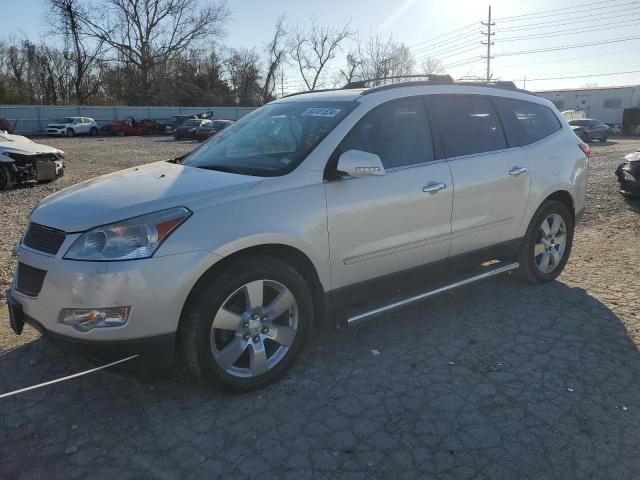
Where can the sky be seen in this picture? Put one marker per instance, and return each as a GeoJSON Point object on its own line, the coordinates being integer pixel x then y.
{"type": "Point", "coordinates": [552, 43]}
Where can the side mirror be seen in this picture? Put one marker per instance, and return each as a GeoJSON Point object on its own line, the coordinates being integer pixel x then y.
{"type": "Point", "coordinates": [357, 163]}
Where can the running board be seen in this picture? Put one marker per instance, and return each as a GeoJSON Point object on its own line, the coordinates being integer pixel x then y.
{"type": "Point", "coordinates": [353, 320]}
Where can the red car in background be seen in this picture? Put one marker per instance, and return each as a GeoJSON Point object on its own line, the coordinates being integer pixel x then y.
{"type": "Point", "coordinates": [5, 125]}
{"type": "Point", "coordinates": [129, 126]}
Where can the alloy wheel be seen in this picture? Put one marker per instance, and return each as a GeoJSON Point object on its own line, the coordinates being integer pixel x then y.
{"type": "Point", "coordinates": [254, 328]}
{"type": "Point", "coordinates": [551, 242]}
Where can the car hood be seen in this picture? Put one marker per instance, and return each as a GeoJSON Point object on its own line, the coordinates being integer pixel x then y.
{"type": "Point", "coordinates": [27, 147]}
{"type": "Point", "coordinates": [576, 127]}
{"type": "Point", "coordinates": [132, 192]}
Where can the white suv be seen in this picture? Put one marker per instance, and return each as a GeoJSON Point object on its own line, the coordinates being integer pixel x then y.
{"type": "Point", "coordinates": [230, 254]}
{"type": "Point", "coordinates": [72, 126]}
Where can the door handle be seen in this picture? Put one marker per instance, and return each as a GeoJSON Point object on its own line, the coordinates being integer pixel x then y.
{"type": "Point", "coordinates": [515, 171]}
{"type": "Point", "coordinates": [434, 187]}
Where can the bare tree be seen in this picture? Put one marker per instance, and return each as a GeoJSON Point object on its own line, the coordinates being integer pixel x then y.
{"type": "Point", "coordinates": [314, 47]}
{"type": "Point", "coordinates": [379, 57]}
{"type": "Point", "coordinates": [65, 19]}
{"type": "Point", "coordinates": [431, 65]}
{"type": "Point", "coordinates": [276, 54]}
{"type": "Point", "coordinates": [147, 33]}
{"type": "Point", "coordinates": [353, 63]}
{"type": "Point", "coordinates": [243, 69]}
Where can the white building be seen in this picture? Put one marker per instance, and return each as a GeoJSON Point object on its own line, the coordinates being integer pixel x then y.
{"type": "Point", "coordinates": [607, 104]}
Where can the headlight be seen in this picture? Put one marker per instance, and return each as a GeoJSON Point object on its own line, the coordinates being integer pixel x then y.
{"type": "Point", "coordinates": [132, 239]}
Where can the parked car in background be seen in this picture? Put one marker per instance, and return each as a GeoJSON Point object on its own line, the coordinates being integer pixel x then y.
{"type": "Point", "coordinates": [129, 126]}
{"type": "Point", "coordinates": [22, 160]}
{"type": "Point", "coordinates": [188, 129]}
{"type": "Point", "coordinates": [72, 126]}
{"type": "Point", "coordinates": [590, 129]}
{"type": "Point", "coordinates": [210, 129]}
{"type": "Point", "coordinates": [167, 126]}
{"type": "Point", "coordinates": [5, 125]}
{"type": "Point", "coordinates": [231, 254]}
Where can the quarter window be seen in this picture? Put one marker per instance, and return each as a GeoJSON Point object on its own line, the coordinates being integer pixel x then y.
{"type": "Point", "coordinates": [531, 122]}
{"type": "Point", "coordinates": [397, 131]}
{"type": "Point", "coordinates": [469, 124]}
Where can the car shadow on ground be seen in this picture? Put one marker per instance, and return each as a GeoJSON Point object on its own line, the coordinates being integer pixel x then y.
{"type": "Point", "coordinates": [633, 201]}
{"type": "Point", "coordinates": [497, 380]}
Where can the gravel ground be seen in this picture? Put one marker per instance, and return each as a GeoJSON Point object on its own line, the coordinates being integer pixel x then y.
{"type": "Point", "coordinates": [498, 380]}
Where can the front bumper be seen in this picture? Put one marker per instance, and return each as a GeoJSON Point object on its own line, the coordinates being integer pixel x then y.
{"type": "Point", "coordinates": [628, 178]}
{"type": "Point", "coordinates": [56, 131]}
{"type": "Point", "coordinates": [151, 353]}
{"type": "Point", "coordinates": [154, 288]}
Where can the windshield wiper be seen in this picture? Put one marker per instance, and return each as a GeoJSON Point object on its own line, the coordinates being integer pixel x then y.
{"type": "Point", "coordinates": [222, 168]}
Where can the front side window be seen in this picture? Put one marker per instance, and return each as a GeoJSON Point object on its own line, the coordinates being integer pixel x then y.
{"type": "Point", "coordinates": [530, 121]}
{"type": "Point", "coordinates": [397, 131]}
{"type": "Point", "coordinates": [468, 124]}
{"type": "Point", "coordinates": [272, 140]}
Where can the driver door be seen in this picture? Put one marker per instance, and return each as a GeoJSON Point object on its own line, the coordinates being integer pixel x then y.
{"type": "Point", "coordinates": [384, 224]}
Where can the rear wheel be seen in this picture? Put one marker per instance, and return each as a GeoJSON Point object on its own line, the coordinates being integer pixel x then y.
{"type": "Point", "coordinates": [243, 327]}
{"type": "Point", "coordinates": [6, 178]}
{"type": "Point", "coordinates": [93, 132]}
{"type": "Point", "coordinates": [547, 244]}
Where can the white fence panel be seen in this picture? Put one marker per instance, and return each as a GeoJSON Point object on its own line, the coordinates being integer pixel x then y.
{"type": "Point", "coordinates": [33, 119]}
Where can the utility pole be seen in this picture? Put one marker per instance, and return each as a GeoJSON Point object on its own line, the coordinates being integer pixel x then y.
{"type": "Point", "coordinates": [524, 87]}
{"type": "Point", "coordinates": [385, 66]}
{"type": "Point", "coordinates": [488, 43]}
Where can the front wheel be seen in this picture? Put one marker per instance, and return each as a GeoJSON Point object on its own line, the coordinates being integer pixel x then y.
{"type": "Point", "coordinates": [70, 132]}
{"type": "Point", "coordinates": [6, 178]}
{"type": "Point", "coordinates": [547, 244]}
{"type": "Point", "coordinates": [244, 326]}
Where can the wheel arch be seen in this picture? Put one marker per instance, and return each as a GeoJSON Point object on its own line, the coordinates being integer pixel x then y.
{"type": "Point", "coordinates": [286, 253]}
{"type": "Point", "coordinates": [564, 197]}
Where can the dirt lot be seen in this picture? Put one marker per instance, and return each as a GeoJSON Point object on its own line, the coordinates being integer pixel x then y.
{"type": "Point", "coordinates": [499, 380]}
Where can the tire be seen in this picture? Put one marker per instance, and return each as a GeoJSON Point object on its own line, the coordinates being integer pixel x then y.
{"type": "Point", "coordinates": [532, 267]}
{"type": "Point", "coordinates": [6, 178]}
{"type": "Point", "coordinates": [93, 132]}
{"type": "Point", "coordinates": [70, 132]}
{"type": "Point", "coordinates": [120, 133]}
{"type": "Point", "coordinates": [245, 357]}
{"type": "Point", "coordinates": [604, 139]}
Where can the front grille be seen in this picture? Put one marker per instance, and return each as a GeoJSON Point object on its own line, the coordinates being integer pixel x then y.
{"type": "Point", "coordinates": [29, 279]}
{"type": "Point", "coordinates": [44, 239]}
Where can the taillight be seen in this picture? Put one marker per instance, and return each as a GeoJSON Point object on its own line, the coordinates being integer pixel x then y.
{"type": "Point", "coordinates": [585, 149]}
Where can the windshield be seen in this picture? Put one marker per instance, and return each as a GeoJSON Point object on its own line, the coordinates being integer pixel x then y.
{"type": "Point", "coordinates": [578, 123]}
{"type": "Point", "coordinates": [64, 120]}
{"type": "Point", "coordinates": [192, 123]}
{"type": "Point", "coordinates": [272, 140]}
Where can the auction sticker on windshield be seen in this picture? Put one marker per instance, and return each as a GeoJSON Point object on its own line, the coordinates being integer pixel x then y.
{"type": "Point", "coordinates": [321, 112]}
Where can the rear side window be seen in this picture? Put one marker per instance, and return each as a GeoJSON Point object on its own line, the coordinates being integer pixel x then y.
{"type": "Point", "coordinates": [468, 124]}
{"type": "Point", "coordinates": [397, 131]}
{"type": "Point", "coordinates": [530, 122]}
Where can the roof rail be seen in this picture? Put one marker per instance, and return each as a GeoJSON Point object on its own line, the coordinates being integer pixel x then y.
{"type": "Point", "coordinates": [376, 83]}
{"type": "Point", "coordinates": [311, 91]}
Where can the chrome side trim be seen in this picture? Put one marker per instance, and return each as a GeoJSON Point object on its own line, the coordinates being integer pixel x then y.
{"type": "Point", "coordinates": [356, 319]}
{"type": "Point", "coordinates": [397, 249]}
{"type": "Point", "coordinates": [484, 226]}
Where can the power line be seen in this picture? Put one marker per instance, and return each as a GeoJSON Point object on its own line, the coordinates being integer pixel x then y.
{"type": "Point", "coordinates": [566, 22]}
{"type": "Point", "coordinates": [560, 33]}
{"type": "Point", "coordinates": [571, 59]}
{"type": "Point", "coordinates": [550, 13]}
{"type": "Point", "coordinates": [582, 76]}
{"type": "Point", "coordinates": [568, 47]}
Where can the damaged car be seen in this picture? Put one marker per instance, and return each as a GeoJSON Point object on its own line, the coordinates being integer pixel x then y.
{"type": "Point", "coordinates": [628, 174]}
{"type": "Point", "coordinates": [22, 160]}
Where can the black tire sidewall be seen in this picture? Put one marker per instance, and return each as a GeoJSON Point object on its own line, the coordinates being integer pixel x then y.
{"type": "Point", "coordinates": [528, 266]}
{"type": "Point", "coordinates": [213, 292]}
{"type": "Point", "coordinates": [70, 132]}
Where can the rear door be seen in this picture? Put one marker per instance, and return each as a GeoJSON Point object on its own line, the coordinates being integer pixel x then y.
{"type": "Point", "coordinates": [384, 224]}
{"type": "Point", "coordinates": [490, 175]}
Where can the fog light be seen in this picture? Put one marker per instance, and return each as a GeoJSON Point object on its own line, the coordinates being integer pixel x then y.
{"type": "Point", "coordinates": [85, 319]}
